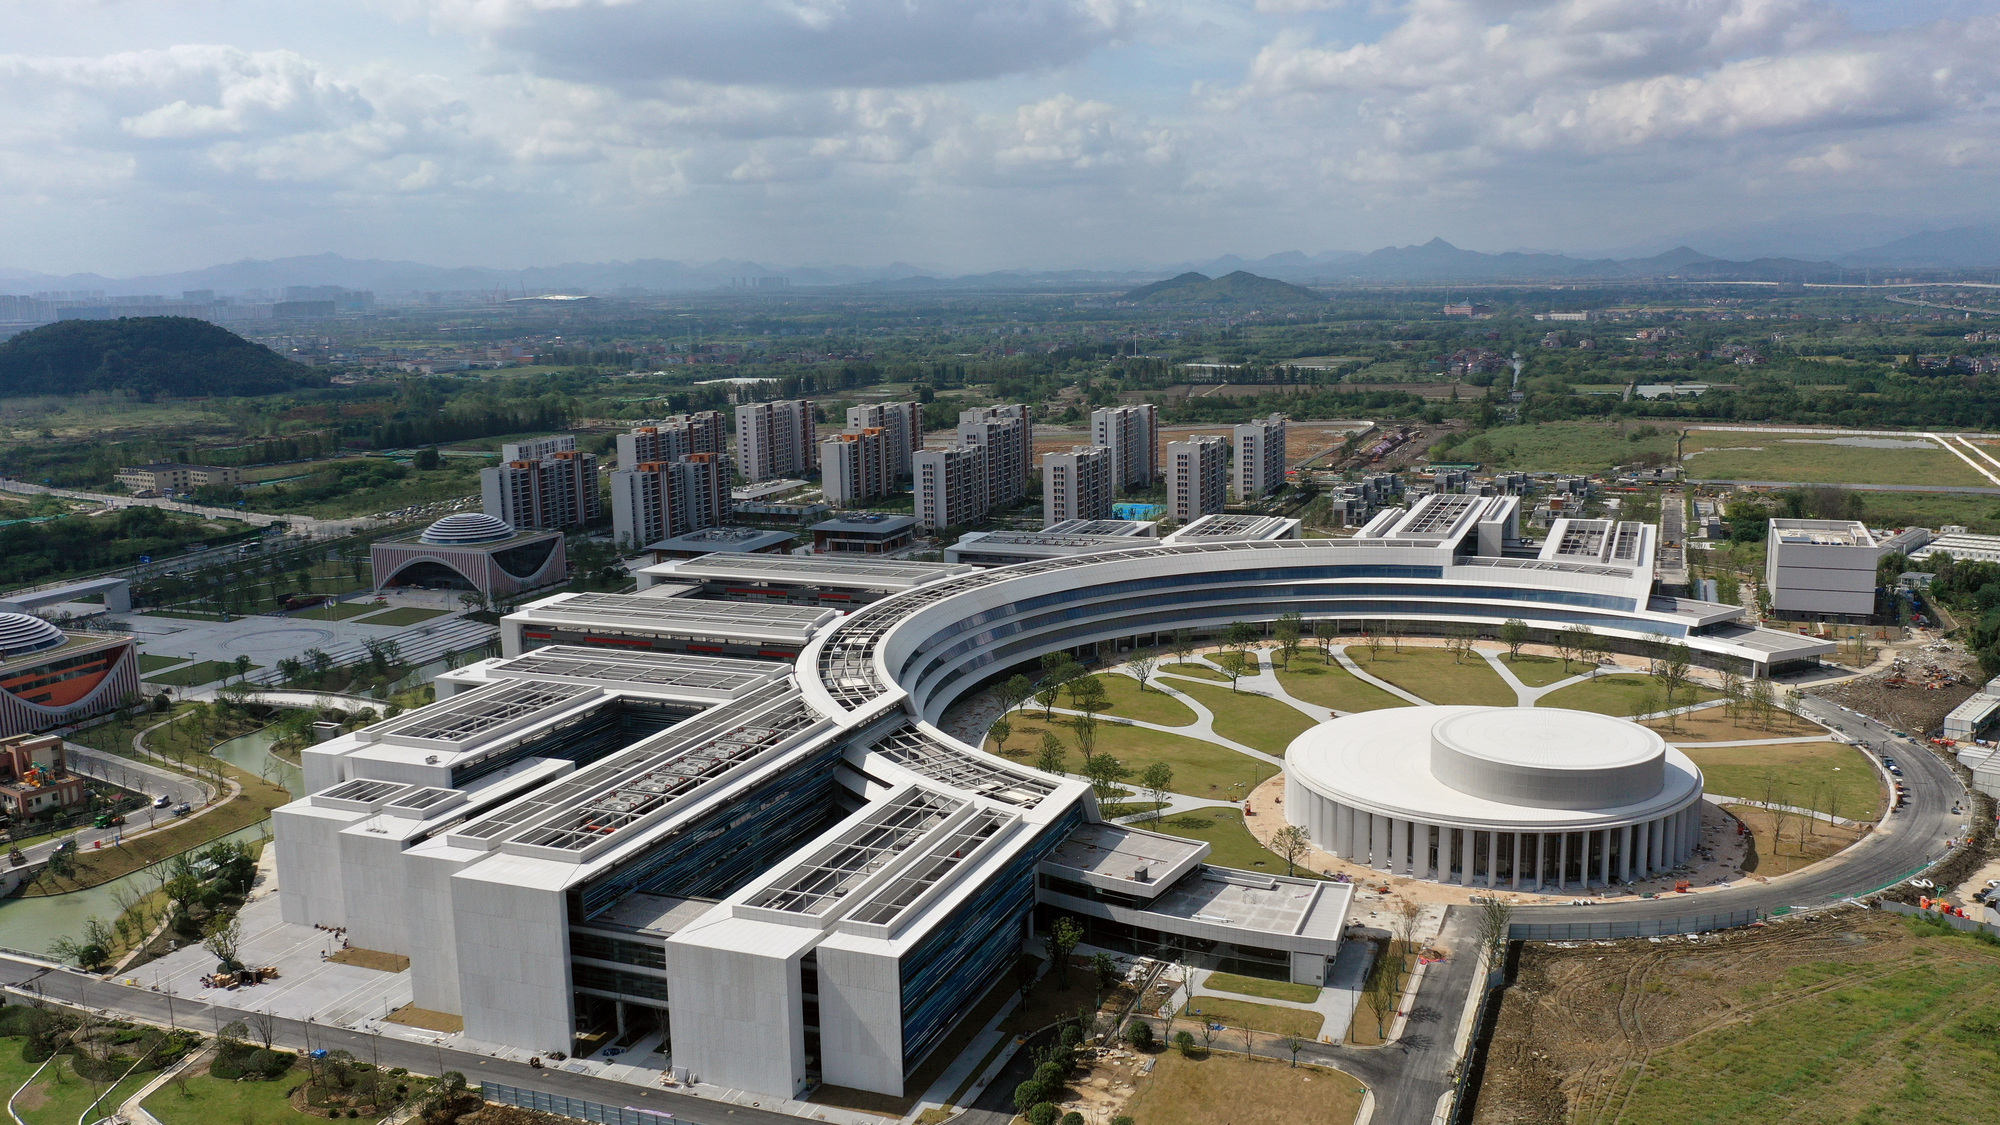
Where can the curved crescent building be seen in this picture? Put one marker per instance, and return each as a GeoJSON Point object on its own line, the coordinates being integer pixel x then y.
{"type": "Point", "coordinates": [733, 835]}
{"type": "Point", "coordinates": [1521, 798]}
{"type": "Point", "coordinates": [49, 677]}
{"type": "Point", "coordinates": [471, 551]}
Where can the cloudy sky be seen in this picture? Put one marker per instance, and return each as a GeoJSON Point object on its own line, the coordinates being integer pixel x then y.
{"type": "Point", "coordinates": [147, 135]}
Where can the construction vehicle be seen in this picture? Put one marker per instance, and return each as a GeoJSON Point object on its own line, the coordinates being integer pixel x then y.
{"type": "Point", "coordinates": [1683, 887]}
{"type": "Point", "coordinates": [108, 820]}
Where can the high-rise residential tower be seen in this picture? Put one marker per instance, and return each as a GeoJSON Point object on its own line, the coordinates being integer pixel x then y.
{"type": "Point", "coordinates": [855, 466]}
{"type": "Point", "coordinates": [902, 426]}
{"type": "Point", "coordinates": [1197, 477]}
{"type": "Point", "coordinates": [950, 485]}
{"type": "Point", "coordinates": [1131, 433]}
{"type": "Point", "coordinates": [1077, 485]}
{"type": "Point", "coordinates": [655, 500]}
{"type": "Point", "coordinates": [1260, 457]}
{"type": "Point", "coordinates": [558, 491]}
{"type": "Point", "coordinates": [1005, 434]}
{"type": "Point", "coordinates": [776, 439]}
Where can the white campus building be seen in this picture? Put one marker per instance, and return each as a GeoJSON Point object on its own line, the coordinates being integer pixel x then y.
{"type": "Point", "coordinates": [1821, 568]}
{"type": "Point", "coordinates": [736, 834]}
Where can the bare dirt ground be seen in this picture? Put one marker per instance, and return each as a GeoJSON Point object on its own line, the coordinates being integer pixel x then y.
{"type": "Point", "coordinates": [1844, 1016]}
{"type": "Point", "coordinates": [1914, 693]}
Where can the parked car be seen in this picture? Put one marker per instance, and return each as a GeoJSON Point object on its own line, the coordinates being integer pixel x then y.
{"type": "Point", "coordinates": [183, 810]}
{"type": "Point", "coordinates": [163, 801]}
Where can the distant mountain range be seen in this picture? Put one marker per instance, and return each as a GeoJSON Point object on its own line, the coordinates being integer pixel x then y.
{"type": "Point", "coordinates": [1234, 290]}
{"type": "Point", "coordinates": [1969, 247]}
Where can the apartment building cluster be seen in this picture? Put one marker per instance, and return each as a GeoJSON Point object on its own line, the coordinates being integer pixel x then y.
{"type": "Point", "coordinates": [870, 458]}
{"type": "Point", "coordinates": [545, 483]}
{"type": "Point", "coordinates": [984, 468]}
{"type": "Point", "coordinates": [673, 477]}
{"type": "Point", "coordinates": [1082, 483]}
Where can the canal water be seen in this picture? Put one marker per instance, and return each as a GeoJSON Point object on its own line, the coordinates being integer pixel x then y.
{"type": "Point", "coordinates": [31, 925]}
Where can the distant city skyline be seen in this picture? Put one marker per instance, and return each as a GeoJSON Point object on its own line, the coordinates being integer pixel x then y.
{"type": "Point", "coordinates": [156, 136]}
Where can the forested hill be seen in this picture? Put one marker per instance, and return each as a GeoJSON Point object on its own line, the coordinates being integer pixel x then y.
{"type": "Point", "coordinates": [149, 356]}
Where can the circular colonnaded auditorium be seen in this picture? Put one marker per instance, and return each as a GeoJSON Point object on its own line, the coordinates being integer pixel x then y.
{"type": "Point", "coordinates": [1526, 798]}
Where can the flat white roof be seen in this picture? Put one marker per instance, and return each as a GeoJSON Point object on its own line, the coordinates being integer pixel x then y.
{"type": "Point", "coordinates": [678, 616]}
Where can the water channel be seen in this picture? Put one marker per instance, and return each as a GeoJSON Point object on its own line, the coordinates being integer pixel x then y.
{"type": "Point", "coordinates": [33, 924]}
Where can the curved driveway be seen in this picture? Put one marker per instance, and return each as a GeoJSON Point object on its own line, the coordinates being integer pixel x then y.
{"type": "Point", "coordinates": [1906, 843]}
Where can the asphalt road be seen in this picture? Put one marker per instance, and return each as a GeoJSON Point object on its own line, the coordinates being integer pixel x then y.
{"type": "Point", "coordinates": [77, 989]}
{"type": "Point", "coordinates": [150, 780]}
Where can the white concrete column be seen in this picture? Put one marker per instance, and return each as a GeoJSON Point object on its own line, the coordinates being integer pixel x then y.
{"type": "Point", "coordinates": [1562, 864]}
{"type": "Point", "coordinates": [1378, 844]}
{"type": "Point", "coordinates": [1493, 859]}
{"type": "Point", "coordinates": [1465, 857]}
{"type": "Point", "coordinates": [1604, 858]}
{"type": "Point", "coordinates": [1541, 843]}
{"type": "Point", "coordinates": [1415, 835]}
{"type": "Point", "coordinates": [1520, 846]}
{"type": "Point", "coordinates": [1344, 831]}
{"type": "Point", "coordinates": [1642, 856]}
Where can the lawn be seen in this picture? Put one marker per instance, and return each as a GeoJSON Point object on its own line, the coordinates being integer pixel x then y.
{"type": "Point", "coordinates": [1198, 671]}
{"type": "Point", "coordinates": [206, 672]}
{"type": "Point", "coordinates": [403, 615]}
{"type": "Point", "coordinates": [1541, 671]}
{"type": "Point", "coordinates": [211, 1101]}
{"type": "Point", "coordinates": [1622, 695]}
{"type": "Point", "coordinates": [1234, 1014]}
{"type": "Point", "coordinates": [1256, 721]}
{"type": "Point", "coordinates": [1201, 769]}
{"type": "Point", "coordinates": [1828, 776]}
{"type": "Point", "coordinates": [1148, 706]}
{"type": "Point", "coordinates": [337, 611]}
{"type": "Point", "coordinates": [149, 664]}
{"type": "Point", "coordinates": [1904, 1036]}
{"type": "Point", "coordinates": [252, 806]}
{"type": "Point", "coordinates": [1814, 459]}
{"type": "Point", "coordinates": [1258, 986]}
{"type": "Point", "coordinates": [1314, 681]}
{"type": "Point", "coordinates": [60, 1096]}
{"type": "Point", "coordinates": [1431, 673]}
{"type": "Point", "coordinates": [1226, 1088]}
{"type": "Point", "coordinates": [1233, 845]}
{"type": "Point", "coordinates": [1784, 843]}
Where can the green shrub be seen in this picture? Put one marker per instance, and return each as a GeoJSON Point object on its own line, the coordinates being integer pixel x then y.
{"type": "Point", "coordinates": [1184, 1043]}
{"type": "Point", "coordinates": [1072, 1118]}
{"type": "Point", "coordinates": [1043, 1114]}
{"type": "Point", "coordinates": [1139, 1033]}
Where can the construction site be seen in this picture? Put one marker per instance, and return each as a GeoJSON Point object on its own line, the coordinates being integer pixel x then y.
{"type": "Point", "coordinates": [1916, 691]}
{"type": "Point", "coordinates": [1842, 1016]}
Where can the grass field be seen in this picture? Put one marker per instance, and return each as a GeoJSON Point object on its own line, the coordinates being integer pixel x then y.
{"type": "Point", "coordinates": [149, 664]}
{"type": "Point", "coordinates": [1909, 1040]}
{"type": "Point", "coordinates": [206, 672]}
{"type": "Point", "coordinates": [1201, 769]}
{"type": "Point", "coordinates": [1258, 986]}
{"type": "Point", "coordinates": [1431, 673]}
{"type": "Point", "coordinates": [1314, 681]}
{"type": "Point", "coordinates": [1541, 671]}
{"type": "Point", "coordinates": [1783, 844]}
{"type": "Point", "coordinates": [1148, 706]}
{"type": "Point", "coordinates": [403, 615]}
{"type": "Point", "coordinates": [1978, 514]}
{"type": "Point", "coordinates": [1828, 776]}
{"type": "Point", "coordinates": [1621, 695]}
{"type": "Point", "coordinates": [1256, 721]}
{"type": "Point", "coordinates": [1198, 671]}
{"type": "Point", "coordinates": [1725, 455]}
{"type": "Point", "coordinates": [1233, 845]}
{"type": "Point", "coordinates": [1231, 1088]}
{"type": "Point", "coordinates": [1713, 724]}
{"type": "Point", "coordinates": [211, 1101]}
{"type": "Point", "coordinates": [1568, 447]}
{"type": "Point", "coordinates": [1269, 1018]}
{"type": "Point", "coordinates": [59, 1097]}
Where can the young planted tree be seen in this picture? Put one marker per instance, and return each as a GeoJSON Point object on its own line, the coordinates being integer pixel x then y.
{"type": "Point", "coordinates": [1384, 989]}
{"type": "Point", "coordinates": [1157, 780]}
{"type": "Point", "coordinates": [1061, 941]}
{"type": "Point", "coordinates": [1142, 667]}
{"type": "Point", "coordinates": [1290, 630]}
{"type": "Point", "coordinates": [1183, 645]}
{"type": "Point", "coordinates": [1106, 774]}
{"type": "Point", "coordinates": [1001, 730]}
{"type": "Point", "coordinates": [1085, 729]}
{"type": "Point", "coordinates": [1373, 639]}
{"type": "Point", "coordinates": [1291, 842]}
{"type": "Point", "coordinates": [1087, 696]}
{"type": "Point", "coordinates": [1514, 634]}
{"type": "Point", "coordinates": [1573, 644]}
{"type": "Point", "coordinates": [1052, 758]}
{"type": "Point", "coordinates": [1458, 640]}
{"type": "Point", "coordinates": [1324, 631]}
{"type": "Point", "coordinates": [1015, 692]}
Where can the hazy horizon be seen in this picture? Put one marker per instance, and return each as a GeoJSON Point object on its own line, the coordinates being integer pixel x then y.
{"type": "Point", "coordinates": [152, 136]}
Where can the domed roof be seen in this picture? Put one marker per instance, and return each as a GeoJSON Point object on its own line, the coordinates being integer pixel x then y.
{"type": "Point", "coordinates": [21, 632]}
{"type": "Point", "coordinates": [468, 527]}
